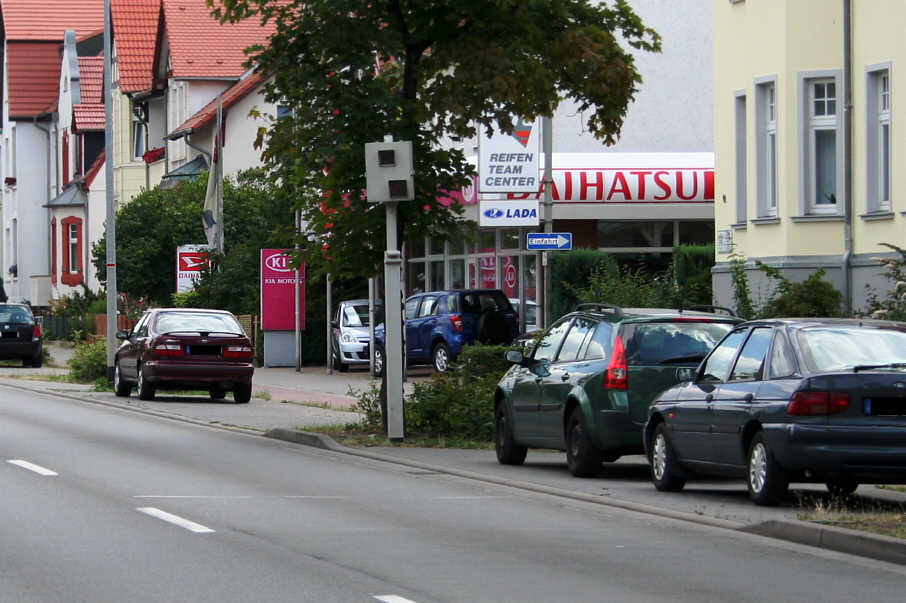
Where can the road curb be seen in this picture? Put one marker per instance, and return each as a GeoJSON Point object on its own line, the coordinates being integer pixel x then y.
{"type": "Point", "coordinates": [843, 540]}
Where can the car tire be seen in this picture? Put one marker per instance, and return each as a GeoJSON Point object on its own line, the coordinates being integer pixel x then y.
{"type": "Point", "coordinates": [508, 451]}
{"type": "Point", "coordinates": [217, 393]}
{"type": "Point", "coordinates": [120, 387]}
{"type": "Point", "coordinates": [841, 486]}
{"type": "Point", "coordinates": [38, 360]}
{"type": "Point", "coordinates": [767, 481]}
{"type": "Point", "coordinates": [342, 366]}
{"type": "Point", "coordinates": [665, 473]}
{"type": "Point", "coordinates": [26, 361]}
{"type": "Point", "coordinates": [145, 389]}
{"type": "Point", "coordinates": [441, 357]}
{"type": "Point", "coordinates": [378, 361]}
{"type": "Point", "coordinates": [242, 393]}
{"type": "Point", "coordinates": [582, 457]}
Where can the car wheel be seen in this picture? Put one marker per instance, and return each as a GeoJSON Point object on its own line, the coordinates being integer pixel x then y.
{"type": "Point", "coordinates": [145, 390]}
{"type": "Point", "coordinates": [841, 486]}
{"type": "Point", "coordinates": [767, 480]}
{"type": "Point", "coordinates": [217, 393]}
{"type": "Point", "coordinates": [242, 393]}
{"type": "Point", "coordinates": [120, 387]}
{"type": "Point", "coordinates": [342, 366]}
{"type": "Point", "coordinates": [37, 360]}
{"type": "Point", "coordinates": [26, 361]}
{"type": "Point", "coordinates": [508, 451]}
{"type": "Point", "coordinates": [378, 361]}
{"type": "Point", "coordinates": [582, 457]}
{"type": "Point", "coordinates": [441, 357]}
{"type": "Point", "coordinates": [665, 474]}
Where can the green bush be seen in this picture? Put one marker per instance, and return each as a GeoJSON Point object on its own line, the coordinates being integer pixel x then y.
{"type": "Point", "coordinates": [460, 402]}
{"type": "Point", "coordinates": [893, 305]}
{"type": "Point", "coordinates": [692, 269]}
{"type": "Point", "coordinates": [89, 361]}
{"type": "Point", "coordinates": [576, 266]}
{"type": "Point", "coordinates": [811, 297]}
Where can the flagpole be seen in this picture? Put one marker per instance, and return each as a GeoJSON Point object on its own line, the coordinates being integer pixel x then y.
{"type": "Point", "coordinates": [111, 209]}
{"type": "Point", "coordinates": [219, 174]}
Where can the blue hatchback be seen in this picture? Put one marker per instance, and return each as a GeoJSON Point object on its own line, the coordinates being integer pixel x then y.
{"type": "Point", "coordinates": [440, 323]}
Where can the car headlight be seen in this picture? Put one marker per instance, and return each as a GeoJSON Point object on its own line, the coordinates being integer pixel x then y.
{"type": "Point", "coordinates": [347, 338]}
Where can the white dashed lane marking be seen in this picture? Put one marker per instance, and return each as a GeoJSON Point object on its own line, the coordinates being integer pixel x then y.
{"type": "Point", "coordinates": [32, 467]}
{"type": "Point", "coordinates": [175, 520]}
{"type": "Point", "coordinates": [392, 599]}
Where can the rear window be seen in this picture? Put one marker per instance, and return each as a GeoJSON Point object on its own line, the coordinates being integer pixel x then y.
{"type": "Point", "coordinates": [169, 322]}
{"type": "Point", "coordinates": [834, 348]}
{"type": "Point", "coordinates": [655, 342]}
{"type": "Point", "coordinates": [14, 314]}
{"type": "Point", "coordinates": [484, 301]}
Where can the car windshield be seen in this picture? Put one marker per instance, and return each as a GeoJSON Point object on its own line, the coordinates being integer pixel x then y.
{"type": "Point", "coordinates": [652, 343]}
{"type": "Point", "coordinates": [840, 347]}
{"type": "Point", "coordinates": [355, 316]}
{"type": "Point", "coordinates": [14, 314]}
{"type": "Point", "coordinates": [169, 322]}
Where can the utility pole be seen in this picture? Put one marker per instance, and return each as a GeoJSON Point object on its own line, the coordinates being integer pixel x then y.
{"type": "Point", "coordinates": [111, 209]}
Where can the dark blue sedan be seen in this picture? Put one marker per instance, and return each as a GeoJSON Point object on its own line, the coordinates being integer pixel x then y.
{"type": "Point", "coordinates": [788, 400]}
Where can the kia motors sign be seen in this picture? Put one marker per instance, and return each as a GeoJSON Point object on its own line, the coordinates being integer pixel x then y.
{"type": "Point", "coordinates": [190, 260]}
{"type": "Point", "coordinates": [501, 212]}
{"type": "Point", "coordinates": [278, 291]}
{"type": "Point", "coordinates": [510, 163]}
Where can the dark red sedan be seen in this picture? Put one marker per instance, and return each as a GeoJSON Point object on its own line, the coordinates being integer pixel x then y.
{"type": "Point", "coordinates": [185, 348]}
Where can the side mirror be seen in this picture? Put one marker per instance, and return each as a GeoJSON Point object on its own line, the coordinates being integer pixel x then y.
{"type": "Point", "coordinates": [685, 374]}
{"type": "Point", "coordinates": [123, 334]}
{"type": "Point", "coordinates": [335, 324]}
{"type": "Point", "coordinates": [515, 356]}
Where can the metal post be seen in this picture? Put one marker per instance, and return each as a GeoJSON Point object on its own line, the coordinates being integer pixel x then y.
{"type": "Point", "coordinates": [546, 133]}
{"type": "Point", "coordinates": [111, 209]}
{"type": "Point", "coordinates": [297, 293]}
{"type": "Point", "coordinates": [371, 319]}
{"type": "Point", "coordinates": [393, 358]}
{"type": "Point", "coordinates": [330, 327]}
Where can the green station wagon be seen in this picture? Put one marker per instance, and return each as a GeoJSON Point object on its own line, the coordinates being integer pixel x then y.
{"type": "Point", "coordinates": [586, 385]}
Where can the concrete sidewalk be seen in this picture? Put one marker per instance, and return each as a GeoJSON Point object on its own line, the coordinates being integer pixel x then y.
{"type": "Point", "coordinates": [292, 406]}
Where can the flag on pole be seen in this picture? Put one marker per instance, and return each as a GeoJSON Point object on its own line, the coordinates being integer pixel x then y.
{"type": "Point", "coordinates": [212, 216]}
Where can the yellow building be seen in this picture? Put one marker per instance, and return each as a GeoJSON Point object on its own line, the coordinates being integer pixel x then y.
{"type": "Point", "coordinates": [801, 182]}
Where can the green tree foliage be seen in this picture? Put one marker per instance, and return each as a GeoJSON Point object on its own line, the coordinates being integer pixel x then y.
{"type": "Point", "coordinates": [892, 306]}
{"type": "Point", "coordinates": [740, 282]}
{"type": "Point", "coordinates": [812, 297]}
{"type": "Point", "coordinates": [151, 226]}
{"type": "Point", "coordinates": [572, 267]}
{"type": "Point", "coordinates": [692, 267]}
{"type": "Point", "coordinates": [353, 71]}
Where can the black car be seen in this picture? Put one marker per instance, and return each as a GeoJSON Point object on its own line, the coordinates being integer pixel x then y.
{"type": "Point", "coordinates": [788, 400]}
{"type": "Point", "coordinates": [20, 335]}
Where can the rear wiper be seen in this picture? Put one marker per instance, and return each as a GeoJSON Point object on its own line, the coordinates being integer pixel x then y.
{"type": "Point", "coordinates": [687, 358]}
{"type": "Point", "coordinates": [868, 367]}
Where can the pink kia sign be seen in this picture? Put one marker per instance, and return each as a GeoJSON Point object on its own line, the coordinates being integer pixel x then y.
{"type": "Point", "coordinates": [278, 291]}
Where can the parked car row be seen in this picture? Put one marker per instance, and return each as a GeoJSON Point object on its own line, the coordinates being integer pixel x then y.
{"type": "Point", "coordinates": [20, 335]}
{"type": "Point", "coordinates": [771, 401]}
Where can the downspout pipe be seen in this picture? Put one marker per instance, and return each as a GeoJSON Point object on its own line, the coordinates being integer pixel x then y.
{"type": "Point", "coordinates": [846, 265]}
{"type": "Point", "coordinates": [49, 132]}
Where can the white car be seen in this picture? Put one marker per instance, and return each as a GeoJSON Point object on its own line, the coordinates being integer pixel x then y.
{"type": "Point", "coordinates": [349, 334]}
{"type": "Point", "coordinates": [531, 314]}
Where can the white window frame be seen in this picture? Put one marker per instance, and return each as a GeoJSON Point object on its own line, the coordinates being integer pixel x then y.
{"type": "Point", "coordinates": [767, 147]}
{"type": "Point", "coordinates": [740, 110]}
{"type": "Point", "coordinates": [879, 181]}
{"type": "Point", "coordinates": [138, 138]}
{"type": "Point", "coordinates": [72, 247]}
{"type": "Point", "coordinates": [830, 118]}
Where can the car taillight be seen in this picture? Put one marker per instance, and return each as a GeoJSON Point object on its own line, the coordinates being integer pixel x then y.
{"type": "Point", "coordinates": [36, 332]}
{"type": "Point", "coordinates": [817, 403]}
{"type": "Point", "coordinates": [691, 319]}
{"type": "Point", "coordinates": [617, 375]}
{"type": "Point", "coordinates": [237, 352]}
{"type": "Point", "coordinates": [456, 321]}
{"type": "Point", "coordinates": [169, 350]}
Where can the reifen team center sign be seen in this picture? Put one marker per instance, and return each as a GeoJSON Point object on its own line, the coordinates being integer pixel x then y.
{"type": "Point", "coordinates": [510, 163]}
{"type": "Point", "coordinates": [278, 291]}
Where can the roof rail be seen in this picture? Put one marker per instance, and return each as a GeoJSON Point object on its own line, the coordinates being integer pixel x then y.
{"type": "Point", "coordinates": [710, 308]}
{"type": "Point", "coordinates": [600, 307]}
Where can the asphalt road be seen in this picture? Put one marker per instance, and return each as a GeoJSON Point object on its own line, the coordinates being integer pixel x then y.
{"type": "Point", "coordinates": [101, 504]}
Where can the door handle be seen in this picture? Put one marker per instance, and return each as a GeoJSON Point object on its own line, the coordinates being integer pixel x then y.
{"type": "Point", "coordinates": [709, 397]}
{"type": "Point", "coordinates": [564, 377]}
{"type": "Point", "coordinates": [748, 397]}
{"type": "Point", "coordinates": [538, 380]}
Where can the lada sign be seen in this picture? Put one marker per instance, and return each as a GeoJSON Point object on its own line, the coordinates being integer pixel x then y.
{"type": "Point", "coordinates": [501, 212]}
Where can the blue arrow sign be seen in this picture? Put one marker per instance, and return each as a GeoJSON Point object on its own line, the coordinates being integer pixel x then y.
{"type": "Point", "coordinates": [549, 240]}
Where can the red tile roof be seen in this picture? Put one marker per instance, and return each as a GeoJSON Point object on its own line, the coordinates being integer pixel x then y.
{"type": "Point", "coordinates": [208, 113]}
{"type": "Point", "coordinates": [33, 71]}
{"type": "Point", "coordinates": [135, 32]}
{"type": "Point", "coordinates": [88, 117]}
{"type": "Point", "coordinates": [201, 46]}
{"type": "Point", "coordinates": [48, 19]}
{"type": "Point", "coordinates": [91, 79]}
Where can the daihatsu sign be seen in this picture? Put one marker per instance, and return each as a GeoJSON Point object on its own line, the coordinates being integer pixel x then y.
{"type": "Point", "coordinates": [510, 163]}
{"type": "Point", "coordinates": [638, 178]}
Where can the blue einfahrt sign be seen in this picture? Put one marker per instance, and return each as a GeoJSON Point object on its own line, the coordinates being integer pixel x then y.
{"type": "Point", "coordinates": [541, 241]}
